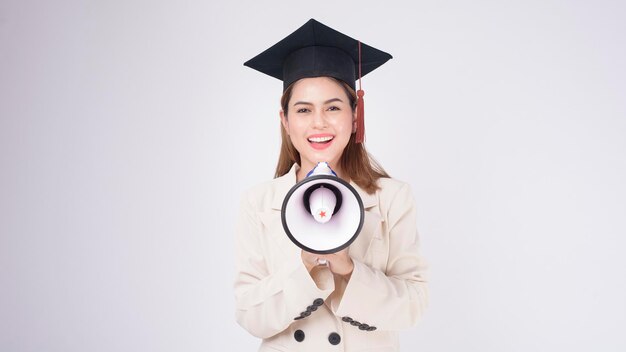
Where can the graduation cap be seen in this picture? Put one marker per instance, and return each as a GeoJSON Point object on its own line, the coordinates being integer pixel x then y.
{"type": "Point", "coordinates": [316, 50]}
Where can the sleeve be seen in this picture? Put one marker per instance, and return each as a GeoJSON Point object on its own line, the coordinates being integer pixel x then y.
{"type": "Point", "coordinates": [267, 302]}
{"type": "Point", "coordinates": [394, 299]}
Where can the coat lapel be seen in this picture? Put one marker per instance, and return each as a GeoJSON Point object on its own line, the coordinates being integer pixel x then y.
{"type": "Point", "coordinates": [271, 218]}
{"type": "Point", "coordinates": [371, 225]}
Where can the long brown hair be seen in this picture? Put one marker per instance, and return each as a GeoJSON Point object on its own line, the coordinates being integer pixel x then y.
{"type": "Point", "coordinates": [356, 163]}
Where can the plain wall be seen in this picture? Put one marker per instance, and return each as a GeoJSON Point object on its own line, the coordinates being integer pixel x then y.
{"type": "Point", "coordinates": [129, 129]}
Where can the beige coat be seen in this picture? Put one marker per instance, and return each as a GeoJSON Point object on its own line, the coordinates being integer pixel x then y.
{"type": "Point", "coordinates": [292, 310]}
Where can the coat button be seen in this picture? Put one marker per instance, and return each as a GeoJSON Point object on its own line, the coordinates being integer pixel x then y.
{"type": "Point", "coordinates": [311, 308]}
{"type": "Point", "coordinates": [299, 335]}
{"type": "Point", "coordinates": [305, 314]}
{"type": "Point", "coordinates": [318, 302]}
{"type": "Point", "coordinates": [371, 328]}
{"type": "Point", "coordinates": [334, 338]}
{"type": "Point", "coordinates": [347, 319]}
{"type": "Point", "coordinates": [364, 327]}
{"type": "Point", "coordinates": [355, 323]}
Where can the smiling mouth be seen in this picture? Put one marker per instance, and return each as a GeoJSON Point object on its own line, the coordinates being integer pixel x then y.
{"type": "Point", "coordinates": [320, 140]}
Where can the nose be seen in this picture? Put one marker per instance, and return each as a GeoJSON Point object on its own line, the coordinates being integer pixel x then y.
{"type": "Point", "coordinates": [319, 119]}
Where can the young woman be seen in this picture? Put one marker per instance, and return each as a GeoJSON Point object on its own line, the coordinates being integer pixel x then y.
{"type": "Point", "coordinates": [367, 291]}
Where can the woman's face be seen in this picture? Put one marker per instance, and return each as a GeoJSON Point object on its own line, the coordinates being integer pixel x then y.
{"type": "Point", "coordinates": [319, 122]}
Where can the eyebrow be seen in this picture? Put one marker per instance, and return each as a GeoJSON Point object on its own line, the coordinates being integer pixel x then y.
{"type": "Point", "coordinates": [326, 102]}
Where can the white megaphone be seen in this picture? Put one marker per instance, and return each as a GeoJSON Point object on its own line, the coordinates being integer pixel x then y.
{"type": "Point", "coordinates": [322, 214]}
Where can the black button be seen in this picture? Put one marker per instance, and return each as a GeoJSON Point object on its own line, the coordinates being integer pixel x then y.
{"type": "Point", "coordinates": [334, 338]}
{"type": "Point", "coordinates": [355, 323]}
{"type": "Point", "coordinates": [363, 327]}
{"type": "Point", "coordinates": [299, 335]}
{"type": "Point", "coordinates": [311, 308]}
{"type": "Point", "coordinates": [347, 319]}
{"type": "Point", "coordinates": [305, 314]}
{"type": "Point", "coordinates": [298, 318]}
{"type": "Point", "coordinates": [318, 302]}
{"type": "Point", "coordinates": [371, 328]}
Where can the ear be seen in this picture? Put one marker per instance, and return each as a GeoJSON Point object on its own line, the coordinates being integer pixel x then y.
{"type": "Point", "coordinates": [284, 121]}
{"type": "Point", "coordinates": [354, 121]}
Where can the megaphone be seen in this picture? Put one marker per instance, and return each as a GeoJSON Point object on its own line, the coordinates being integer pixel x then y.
{"type": "Point", "coordinates": [322, 213]}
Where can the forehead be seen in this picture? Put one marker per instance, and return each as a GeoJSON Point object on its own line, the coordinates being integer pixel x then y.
{"type": "Point", "coordinates": [318, 88]}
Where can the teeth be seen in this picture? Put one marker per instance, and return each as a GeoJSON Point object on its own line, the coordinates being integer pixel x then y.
{"type": "Point", "coordinates": [320, 139]}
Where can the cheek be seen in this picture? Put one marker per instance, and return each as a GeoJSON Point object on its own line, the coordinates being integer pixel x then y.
{"type": "Point", "coordinates": [296, 128]}
{"type": "Point", "coordinates": [346, 126]}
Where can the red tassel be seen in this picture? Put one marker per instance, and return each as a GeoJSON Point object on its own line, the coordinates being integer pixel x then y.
{"type": "Point", "coordinates": [360, 117]}
{"type": "Point", "coordinates": [360, 109]}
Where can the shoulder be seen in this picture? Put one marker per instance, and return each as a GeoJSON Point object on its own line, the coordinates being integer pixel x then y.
{"type": "Point", "coordinates": [395, 197]}
{"type": "Point", "coordinates": [390, 188]}
{"type": "Point", "coordinates": [268, 194]}
{"type": "Point", "coordinates": [260, 195]}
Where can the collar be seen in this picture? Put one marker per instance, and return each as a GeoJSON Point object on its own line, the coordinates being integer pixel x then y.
{"type": "Point", "coordinates": [288, 180]}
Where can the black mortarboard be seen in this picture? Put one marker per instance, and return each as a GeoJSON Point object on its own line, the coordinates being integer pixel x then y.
{"type": "Point", "coordinates": [316, 50]}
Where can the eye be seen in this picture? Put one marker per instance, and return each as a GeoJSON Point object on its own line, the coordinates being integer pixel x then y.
{"type": "Point", "coordinates": [302, 110]}
{"type": "Point", "coordinates": [333, 108]}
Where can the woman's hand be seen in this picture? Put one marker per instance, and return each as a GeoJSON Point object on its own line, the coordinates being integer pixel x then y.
{"type": "Point", "coordinates": [339, 263]}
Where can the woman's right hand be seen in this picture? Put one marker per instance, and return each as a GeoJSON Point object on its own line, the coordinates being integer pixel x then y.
{"type": "Point", "coordinates": [339, 263]}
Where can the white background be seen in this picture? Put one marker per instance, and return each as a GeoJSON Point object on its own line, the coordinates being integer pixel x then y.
{"type": "Point", "coordinates": [129, 129]}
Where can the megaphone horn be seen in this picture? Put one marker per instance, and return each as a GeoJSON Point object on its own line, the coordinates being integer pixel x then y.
{"type": "Point", "coordinates": [322, 214]}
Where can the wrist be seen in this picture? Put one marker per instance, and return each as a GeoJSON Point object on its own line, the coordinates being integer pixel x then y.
{"type": "Point", "coordinates": [348, 273]}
